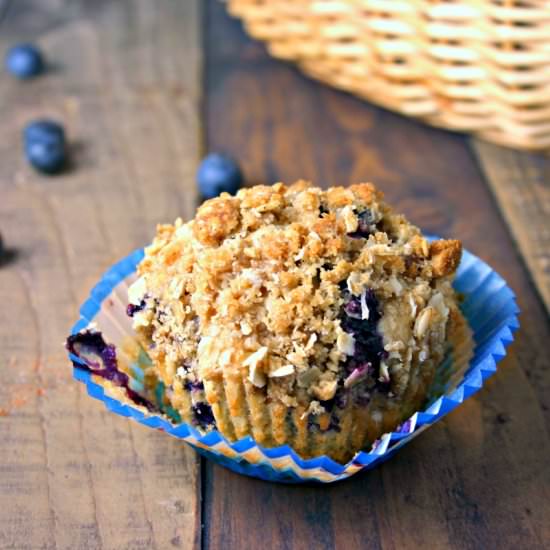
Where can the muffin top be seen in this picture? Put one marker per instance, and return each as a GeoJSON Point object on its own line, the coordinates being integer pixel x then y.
{"type": "Point", "coordinates": [300, 291]}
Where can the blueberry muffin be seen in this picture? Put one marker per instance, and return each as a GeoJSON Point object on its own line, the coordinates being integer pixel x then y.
{"type": "Point", "coordinates": [300, 316]}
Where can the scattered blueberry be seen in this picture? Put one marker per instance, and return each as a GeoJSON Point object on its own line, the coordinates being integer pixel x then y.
{"type": "Point", "coordinates": [45, 146]}
{"type": "Point", "coordinates": [218, 173]}
{"type": "Point", "coordinates": [40, 130]}
{"type": "Point", "coordinates": [46, 157]}
{"type": "Point", "coordinates": [24, 61]}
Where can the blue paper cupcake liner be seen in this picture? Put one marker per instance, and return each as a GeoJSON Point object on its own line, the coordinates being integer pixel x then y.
{"type": "Point", "coordinates": [489, 306]}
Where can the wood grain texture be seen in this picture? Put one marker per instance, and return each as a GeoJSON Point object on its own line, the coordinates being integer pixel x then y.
{"type": "Point", "coordinates": [124, 79]}
{"type": "Point", "coordinates": [521, 185]}
{"type": "Point", "coordinates": [478, 479]}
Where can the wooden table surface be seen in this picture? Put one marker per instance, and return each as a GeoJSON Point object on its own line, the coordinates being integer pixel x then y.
{"type": "Point", "coordinates": [144, 88]}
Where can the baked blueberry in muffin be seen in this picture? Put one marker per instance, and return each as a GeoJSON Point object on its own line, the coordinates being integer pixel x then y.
{"type": "Point", "coordinates": [300, 316]}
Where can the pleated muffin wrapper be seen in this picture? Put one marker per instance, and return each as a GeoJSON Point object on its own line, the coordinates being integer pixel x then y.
{"type": "Point", "coordinates": [489, 307]}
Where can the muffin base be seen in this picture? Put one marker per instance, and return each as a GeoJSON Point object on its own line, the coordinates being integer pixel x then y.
{"type": "Point", "coordinates": [241, 409]}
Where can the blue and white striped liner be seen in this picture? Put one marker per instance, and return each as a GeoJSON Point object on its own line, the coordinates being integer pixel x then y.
{"type": "Point", "coordinates": [489, 306]}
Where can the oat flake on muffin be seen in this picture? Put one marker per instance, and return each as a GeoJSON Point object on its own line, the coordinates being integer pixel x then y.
{"type": "Point", "coordinates": [300, 316]}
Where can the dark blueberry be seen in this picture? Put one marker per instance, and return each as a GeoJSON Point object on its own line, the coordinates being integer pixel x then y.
{"type": "Point", "coordinates": [132, 309]}
{"type": "Point", "coordinates": [90, 343]}
{"type": "Point", "coordinates": [328, 405]}
{"type": "Point", "coordinates": [369, 349]}
{"type": "Point", "coordinates": [353, 308]}
{"type": "Point", "coordinates": [384, 387]}
{"type": "Point", "coordinates": [44, 130]}
{"type": "Point", "coordinates": [161, 316]}
{"type": "Point", "coordinates": [334, 424]}
{"type": "Point", "coordinates": [203, 414]}
{"type": "Point", "coordinates": [185, 367]}
{"type": "Point", "coordinates": [316, 279]}
{"type": "Point", "coordinates": [218, 173]}
{"type": "Point", "coordinates": [362, 398]}
{"type": "Point", "coordinates": [366, 225]}
{"type": "Point", "coordinates": [46, 157]}
{"type": "Point", "coordinates": [312, 426]}
{"type": "Point", "coordinates": [341, 399]}
{"type": "Point", "coordinates": [24, 61]}
{"type": "Point", "coordinates": [194, 386]}
{"type": "Point", "coordinates": [45, 148]}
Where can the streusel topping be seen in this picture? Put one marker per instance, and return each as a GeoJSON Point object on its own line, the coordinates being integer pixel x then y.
{"type": "Point", "coordinates": [310, 295]}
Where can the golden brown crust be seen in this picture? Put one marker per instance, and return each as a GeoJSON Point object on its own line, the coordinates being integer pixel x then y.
{"type": "Point", "coordinates": [215, 220]}
{"type": "Point", "coordinates": [445, 256]}
{"type": "Point", "coordinates": [245, 310]}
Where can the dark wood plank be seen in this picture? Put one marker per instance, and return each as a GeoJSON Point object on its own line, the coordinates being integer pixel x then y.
{"type": "Point", "coordinates": [520, 182]}
{"type": "Point", "coordinates": [479, 479]}
{"type": "Point", "coordinates": [125, 81]}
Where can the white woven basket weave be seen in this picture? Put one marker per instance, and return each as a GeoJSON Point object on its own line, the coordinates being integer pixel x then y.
{"type": "Point", "coordinates": [481, 66]}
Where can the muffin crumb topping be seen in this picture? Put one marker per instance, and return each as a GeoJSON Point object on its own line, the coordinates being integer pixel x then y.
{"type": "Point", "coordinates": [300, 300]}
